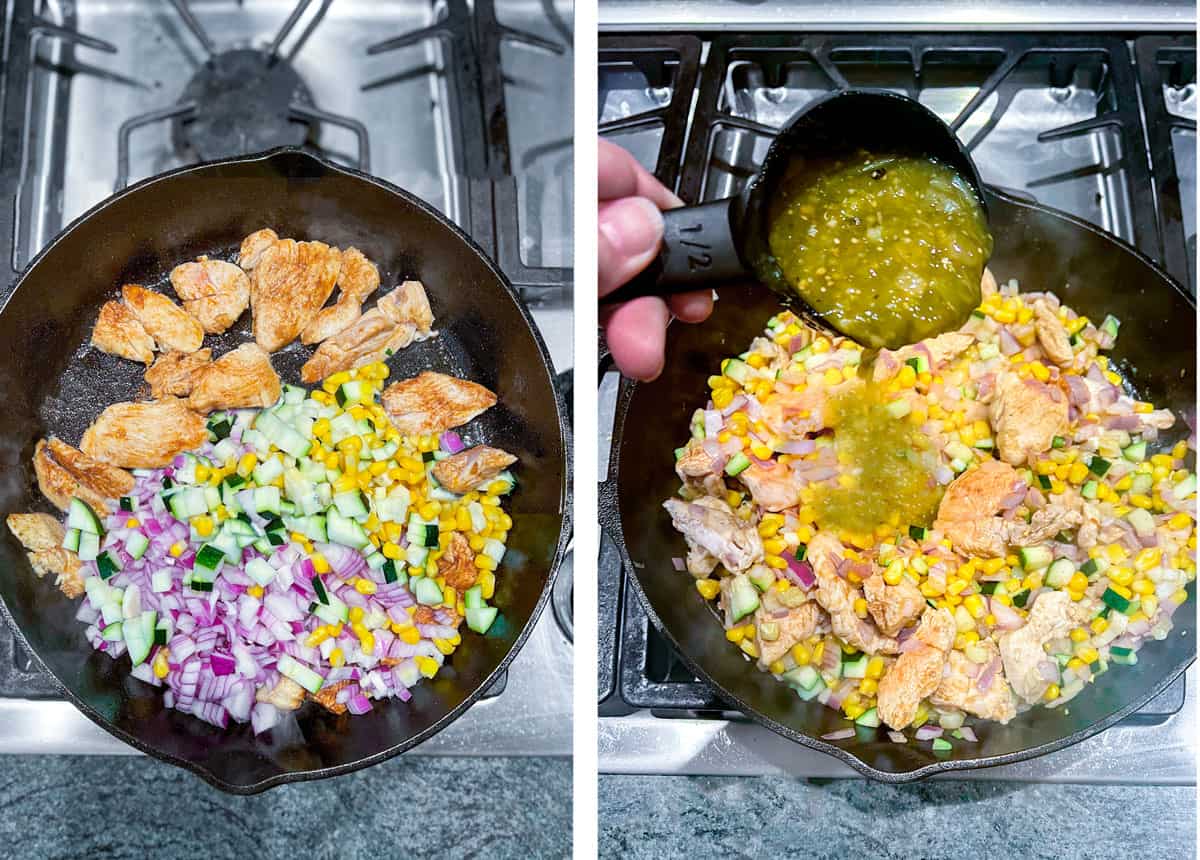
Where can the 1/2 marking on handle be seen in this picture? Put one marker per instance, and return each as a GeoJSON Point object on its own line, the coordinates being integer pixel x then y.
{"type": "Point", "coordinates": [701, 260]}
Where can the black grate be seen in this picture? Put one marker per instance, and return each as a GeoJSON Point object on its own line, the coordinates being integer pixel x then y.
{"type": "Point", "coordinates": [694, 124]}
{"type": "Point", "coordinates": [471, 36]}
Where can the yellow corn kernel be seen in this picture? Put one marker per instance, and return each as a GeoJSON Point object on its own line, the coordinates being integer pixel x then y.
{"type": "Point", "coordinates": [317, 637]}
{"type": "Point", "coordinates": [161, 663]}
{"type": "Point", "coordinates": [1078, 582]}
{"type": "Point", "coordinates": [1179, 521]}
{"type": "Point", "coordinates": [336, 658]}
{"type": "Point", "coordinates": [428, 666]}
{"type": "Point", "coordinates": [1116, 552]}
{"type": "Point", "coordinates": [1099, 625]}
{"type": "Point", "coordinates": [485, 562]}
{"type": "Point", "coordinates": [246, 464]}
{"type": "Point", "coordinates": [1075, 664]}
{"type": "Point", "coordinates": [203, 525]}
{"type": "Point", "coordinates": [735, 634]}
{"type": "Point", "coordinates": [255, 591]}
{"type": "Point", "coordinates": [1079, 635]}
{"type": "Point", "coordinates": [1149, 605]}
{"type": "Point", "coordinates": [774, 561]}
{"type": "Point", "coordinates": [802, 654]}
{"type": "Point", "coordinates": [777, 668]}
{"type": "Point", "coordinates": [1039, 371]}
{"type": "Point", "coordinates": [411, 635]}
{"type": "Point", "coordinates": [365, 586]}
{"type": "Point", "coordinates": [319, 563]}
{"type": "Point", "coordinates": [1139, 500]}
{"type": "Point", "coordinates": [860, 607]}
{"type": "Point", "coordinates": [749, 648]}
{"type": "Point", "coordinates": [708, 588]}
{"type": "Point", "coordinates": [1147, 559]}
{"type": "Point", "coordinates": [875, 668]}
{"type": "Point", "coordinates": [1142, 586]}
{"type": "Point", "coordinates": [1120, 575]}
{"type": "Point", "coordinates": [444, 646]}
{"type": "Point", "coordinates": [1088, 654]}
{"type": "Point", "coordinates": [177, 548]}
{"type": "Point", "coordinates": [974, 604]}
{"type": "Point", "coordinates": [356, 617]}
{"type": "Point", "coordinates": [1052, 692]}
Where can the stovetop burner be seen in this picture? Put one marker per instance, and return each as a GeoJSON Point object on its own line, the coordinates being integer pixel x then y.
{"type": "Point", "coordinates": [243, 102]}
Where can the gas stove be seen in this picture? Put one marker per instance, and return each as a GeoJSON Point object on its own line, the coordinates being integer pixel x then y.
{"type": "Point", "coordinates": [457, 103]}
{"type": "Point", "coordinates": [1100, 124]}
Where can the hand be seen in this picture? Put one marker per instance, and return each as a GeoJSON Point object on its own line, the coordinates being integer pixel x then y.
{"type": "Point", "coordinates": [630, 232]}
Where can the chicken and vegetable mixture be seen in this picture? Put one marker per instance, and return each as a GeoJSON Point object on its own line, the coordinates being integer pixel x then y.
{"type": "Point", "coordinates": [252, 544]}
{"type": "Point", "coordinates": [963, 528]}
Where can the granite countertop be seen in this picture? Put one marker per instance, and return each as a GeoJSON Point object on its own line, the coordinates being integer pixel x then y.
{"type": "Point", "coordinates": [103, 807]}
{"type": "Point", "coordinates": [768, 817]}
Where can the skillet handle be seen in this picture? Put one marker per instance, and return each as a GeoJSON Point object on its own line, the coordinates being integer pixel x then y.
{"type": "Point", "coordinates": [698, 251]}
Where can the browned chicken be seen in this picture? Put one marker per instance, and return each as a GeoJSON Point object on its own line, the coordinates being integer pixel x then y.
{"type": "Point", "coordinates": [290, 283]}
{"type": "Point", "coordinates": [893, 607]}
{"type": "Point", "coordinates": [287, 695]}
{"type": "Point", "coordinates": [398, 318]}
{"type": "Point", "coordinates": [170, 325]}
{"type": "Point", "coordinates": [966, 515]}
{"type": "Point", "coordinates": [326, 697]}
{"type": "Point", "coordinates": [1052, 335]}
{"type": "Point", "coordinates": [253, 247]}
{"type": "Point", "coordinates": [174, 373]}
{"type": "Point", "coordinates": [714, 533]}
{"type": "Point", "coordinates": [433, 402]}
{"type": "Point", "coordinates": [1026, 415]}
{"type": "Point", "coordinates": [359, 278]}
{"type": "Point", "coordinates": [213, 291]}
{"type": "Point", "coordinates": [938, 350]}
{"type": "Point", "coordinates": [916, 673]}
{"type": "Point", "coordinates": [457, 563]}
{"type": "Point", "coordinates": [64, 473]}
{"type": "Point", "coordinates": [119, 332]}
{"type": "Point", "coordinates": [837, 597]}
{"type": "Point", "coordinates": [144, 435]}
{"type": "Point", "coordinates": [1023, 650]}
{"type": "Point", "coordinates": [42, 536]}
{"type": "Point", "coordinates": [796, 626]}
{"type": "Point", "coordinates": [772, 485]}
{"type": "Point", "coordinates": [960, 689]}
{"type": "Point", "coordinates": [240, 379]}
{"type": "Point", "coordinates": [796, 413]}
{"type": "Point", "coordinates": [474, 467]}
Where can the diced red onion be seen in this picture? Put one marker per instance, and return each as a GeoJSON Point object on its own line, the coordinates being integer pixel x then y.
{"type": "Point", "coordinates": [451, 442]}
{"type": "Point", "coordinates": [928, 732]}
{"type": "Point", "coordinates": [839, 735]}
{"type": "Point", "coordinates": [897, 737]}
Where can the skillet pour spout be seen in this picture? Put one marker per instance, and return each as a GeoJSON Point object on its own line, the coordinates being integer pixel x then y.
{"type": "Point", "coordinates": [725, 241]}
{"type": "Point", "coordinates": [52, 387]}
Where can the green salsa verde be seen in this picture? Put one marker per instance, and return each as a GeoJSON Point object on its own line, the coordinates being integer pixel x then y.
{"type": "Point", "coordinates": [888, 249]}
{"type": "Point", "coordinates": [890, 461]}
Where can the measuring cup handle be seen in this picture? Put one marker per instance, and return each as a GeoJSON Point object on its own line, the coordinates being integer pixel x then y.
{"type": "Point", "coordinates": [698, 251]}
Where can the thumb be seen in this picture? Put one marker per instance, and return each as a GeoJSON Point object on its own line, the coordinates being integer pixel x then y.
{"type": "Point", "coordinates": [630, 232]}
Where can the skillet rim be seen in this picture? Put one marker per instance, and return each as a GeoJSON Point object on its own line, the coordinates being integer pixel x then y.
{"type": "Point", "coordinates": [279, 154]}
{"type": "Point", "coordinates": [610, 517]}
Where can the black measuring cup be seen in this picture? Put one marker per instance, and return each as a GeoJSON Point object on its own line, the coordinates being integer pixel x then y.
{"type": "Point", "coordinates": [726, 240]}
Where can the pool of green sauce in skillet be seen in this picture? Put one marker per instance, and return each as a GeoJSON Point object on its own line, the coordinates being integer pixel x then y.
{"type": "Point", "coordinates": [888, 249]}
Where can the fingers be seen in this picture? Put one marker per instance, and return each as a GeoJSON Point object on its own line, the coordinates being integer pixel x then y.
{"type": "Point", "coordinates": [630, 231]}
{"type": "Point", "coordinates": [620, 175]}
{"type": "Point", "coordinates": [636, 335]}
{"type": "Point", "coordinates": [692, 307]}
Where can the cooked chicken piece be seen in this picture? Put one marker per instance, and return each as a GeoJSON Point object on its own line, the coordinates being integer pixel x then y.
{"type": "Point", "coordinates": [170, 325]}
{"type": "Point", "coordinates": [398, 318]}
{"type": "Point", "coordinates": [966, 515]}
{"type": "Point", "coordinates": [253, 247]}
{"type": "Point", "coordinates": [699, 561]}
{"type": "Point", "coordinates": [959, 688]}
{"type": "Point", "coordinates": [987, 286]}
{"type": "Point", "coordinates": [938, 350]}
{"type": "Point", "coordinates": [474, 467]}
{"type": "Point", "coordinates": [457, 563]}
{"type": "Point", "coordinates": [917, 672]}
{"type": "Point", "coordinates": [326, 697]}
{"type": "Point", "coordinates": [213, 291]}
{"type": "Point", "coordinates": [174, 374]}
{"type": "Point", "coordinates": [709, 524]}
{"type": "Point", "coordinates": [1044, 525]}
{"type": "Point", "coordinates": [64, 472]}
{"type": "Point", "coordinates": [144, 435]}
{"type": "Point", "coordinates": [794, 414]}
{"type": "Point", "coordinates": [434, 402]}
{"type": "Point", "coordinates": [1023, 650]}
{"type": "Point", "coordinates": [290, 283]}
{"type": "Point", "coordinates": [772, 485]}
{"type": "Point", "coordinates": [359, 278]}
{"type": "Point", "coordinates": [893, 607]}
{"type": "Point", "coordinates": [837, 596]}
{"type": "Point", "coordinates": [118, 332]}
{"type": "Point", "coordinates": [1159, 419]}
{"type": "Point", "coordinates": [1052, 335]}
{"type": "Point", "coordinates": [799, 624]}
{"type": "Point", "coordinates": [1026, 415]}
{"type": "Point", "coordinates": [42, 535]}
{"type": "Point", "coordinates": [287, 695]}
{"type": "Point", "coordinates": [695, 462]}
{"type": "Point", "coordinates": [240, 379]}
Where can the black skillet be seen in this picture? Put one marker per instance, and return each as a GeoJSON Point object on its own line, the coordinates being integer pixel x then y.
{"type": "Point", "coordinates": [1043, 249]}
{"type": "Point", "coordinates": [52, 382]}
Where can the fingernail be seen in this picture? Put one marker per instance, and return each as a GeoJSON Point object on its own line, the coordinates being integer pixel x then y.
{"type": "Point", "coordinates": [633, 226]}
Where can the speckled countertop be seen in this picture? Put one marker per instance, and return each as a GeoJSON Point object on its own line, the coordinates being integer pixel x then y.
{"type": "Point", "coordinates": [768, 817]}
{"type": "Point", "coordinates": [103, 807]}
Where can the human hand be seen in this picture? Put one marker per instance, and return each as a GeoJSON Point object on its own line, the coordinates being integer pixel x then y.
{"type": "Point", "coordinates": [630, 232]}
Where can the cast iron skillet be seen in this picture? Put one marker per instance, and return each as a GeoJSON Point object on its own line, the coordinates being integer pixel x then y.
{"type": "Point", "coordinates": [1090, 270]}
{"type": "Point", "coordinates": [52, 382]}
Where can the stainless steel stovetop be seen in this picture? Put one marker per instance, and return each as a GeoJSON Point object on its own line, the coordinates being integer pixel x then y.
{"type": "Point", "coordinates": [461, 105]}
{"type": "Point", "coordinates": [1088, 110]}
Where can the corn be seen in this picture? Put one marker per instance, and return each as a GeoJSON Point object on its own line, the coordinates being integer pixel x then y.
{"type": "Point", "coordinates": [1099, 625]}
{"type": "Point", "coordinates": [722, 397]}
{"type": "Point", "coordinates": [246, 464]}
{"type": "Point", "coordinates": [1149, 604]}
{"type": "Point", "coordinates": [860, 607]}
{"type": "Point", "coordinates": [317, 637]}
{"type": "Point", "coordinates": [1147, 559]}
{"type": "Point", "coordinates": [1079, 582]}
{"type": "Point", "coordinates": [392, 551]}
{"type": "Point", "coordinates": [365, 586]}
{"type": "Point", "coordinates": [1142, 586]}
{"type": "Point", "coordinates": [428, 666]}
{"type": "Point", "coordinates": [1039, 371]}
{"type": "Point", "coordinates": [1075, 664]}
{"type": "Point", "coordinates": [1139, 500]}
{"type": "Point", "coordinates": [772, 561]}
{"type": "Point", "coordinates": [1079, 635]}
{"type": "Point", "coordinates": [177, 548]}
{"type": "Point", "coordinates": [487, 584]}
{"type": "Point", "coordinates": [708, 588]}
{"type": "Point", "coordinates": [735, 634]}
{"type": "Point", "coordinates": [337, 659]}
{"type": "Point", "coordinates": [411, 635]}
{"type": "Point", "coordinates": [485, 562]}
{"type": "Point", "coordinates": [1052, 692]}
{"type": "Point", "coordinates": [875, 668]}
{"type": "Point", "coordinates": [974, 604]}
{"type": "Point", "coordinates": [255, 591]}
{"type": "Point", "coordinates": [749, 648]}
{"type": "Point", "coordinates": [1179, 521]}
{"type": "Point", "coordinates": [1088, 654]}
